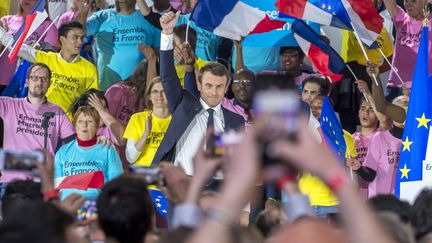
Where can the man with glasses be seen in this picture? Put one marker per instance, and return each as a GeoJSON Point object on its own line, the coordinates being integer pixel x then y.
{"type": "Point", "coordinates": [23, 116]}
{"type": "Point", "coordinates": [71, 75]}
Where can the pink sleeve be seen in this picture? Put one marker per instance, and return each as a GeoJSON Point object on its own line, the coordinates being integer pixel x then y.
{"type": "Point", "coordinates": [4, 104]}
{"type": "Point", "coordinates": [114, 96]}
{"type": "Point", "coordinates": [67, 128]}
{"type": "Point", "coordinates": [373, 154]}
{"type": "Point", "coordinates": [400, 17]}
{"type": "Point", "coordinates": [51, 35]}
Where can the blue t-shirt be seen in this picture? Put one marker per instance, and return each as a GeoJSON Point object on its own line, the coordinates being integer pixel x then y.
{"type": "Point", "coordinates": [207, 43]}
{"type": "Point", "coordinates": [258, 59]}
{"type": "Point", "coordinates": [71, 159]}
{"type": "Point", "coordinates": [117, 38]}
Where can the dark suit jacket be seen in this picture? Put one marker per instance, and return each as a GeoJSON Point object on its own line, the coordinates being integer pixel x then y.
{"type": "Point", "coordinates": [184, 106]}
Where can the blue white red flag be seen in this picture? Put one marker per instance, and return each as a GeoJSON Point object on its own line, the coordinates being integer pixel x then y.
{"type": "Point", "coordinates": [232, 19]}
{"type": "Point", "coordinates": [415, 164]}
{"type": "Point", "coordinates": [323, 57]}
{"type": "Point", "coordinates": [31, 23]}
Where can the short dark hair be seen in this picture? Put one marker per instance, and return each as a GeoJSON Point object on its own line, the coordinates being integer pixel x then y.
{"type": "Point", "coordinates": [39, 65]}
{"type": "Point", "coordinates": [390, 203]}
{"type": "Point", "coordinates": [83, 100]}
{"type": "Point", "coordinates": [180, 32]}
{"type": "Point", "coordinates": [422, 214]}
{"type": "Point", "coordinates": [36, 221]}
{"type": "Point", "coordinates": [322, 81]}
{"type": "Point", "coordinates": [125, 209]}
{"type": "Point", "coordinates": [19, 191]}
{"type": "Point", "coordinates": [266, 80]}
{"type": "Point", "coordinates": [299, 51]}
{"type": "Point", "coordinates": [216, 69]}
{"type": "Point", "coordinates": [68, 26]}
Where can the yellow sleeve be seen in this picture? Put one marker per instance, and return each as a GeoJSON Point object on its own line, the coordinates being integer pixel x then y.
{"type": "Point", "coordinates": [351, 149]}
{"type": "Point", "coordinates": [387, 46]}
{"type": "Point", "coordinates": [42, 57]}
{"type": "Point", "coordinates": [94, 83]}
{"type": "Point", "coordinates": [136, 126]}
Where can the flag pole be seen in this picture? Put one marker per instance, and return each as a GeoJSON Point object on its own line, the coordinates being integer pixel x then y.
{"type": "Point", "coordinates": [46, 30]}
{"type": "Point", "coordinates": [187, 31]}
{"type": "Point", "coordinates": [364, 52]}
{"type": "Point", "coordinates": [6, 47]}
{"type": "Point", "coordinates": [355, 77]}
{"type": "Point", "coordinates": [391, 66]}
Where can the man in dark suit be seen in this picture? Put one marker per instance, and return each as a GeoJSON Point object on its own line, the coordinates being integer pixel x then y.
{"type": "Point", "coordinates": [191, 115]}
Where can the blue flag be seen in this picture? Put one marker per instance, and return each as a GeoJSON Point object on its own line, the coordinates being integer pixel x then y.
{"type": "Point", "coordinates": [160, 202]}
{"type": "Point", "coordinates": [332, 130]}
{"type": "Point", "coordinates": [414, 169]}
{"type": "Point", "coordinates": [16, 87]}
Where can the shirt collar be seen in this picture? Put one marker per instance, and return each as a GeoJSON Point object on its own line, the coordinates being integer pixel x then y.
{"type": "Point", "coordinates": [217, 109]}
{"type": "Point", "coordinates": [76, 59]}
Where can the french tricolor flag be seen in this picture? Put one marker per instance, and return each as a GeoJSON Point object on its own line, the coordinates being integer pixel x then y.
{"type": "Point", "coordinates": [232, 19]}
{"type": "Point", "coordinates": [323, 57]}
{"type": "Point", "coordinates": [82, 181]}
{"type": "Point", "coordinates": [31, 23]}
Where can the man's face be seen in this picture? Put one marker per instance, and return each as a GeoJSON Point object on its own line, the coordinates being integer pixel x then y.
{"type": "Point", "coordinates": [73, 41]}
{"type": "Point", "coordinates": [367, 115]}
{"type": "Point", "coordinates": [310, 91]}
{"type": "Point", "coordinates": [316, 107]}
{"type": "Point", "coordinates": [212, 88]}
{"type": "Point", "coordinates": [291, 60]}
{"type": "Point", "coordinates": [242, 88]}
{"type": "Point", "coordinates": [38, 82]}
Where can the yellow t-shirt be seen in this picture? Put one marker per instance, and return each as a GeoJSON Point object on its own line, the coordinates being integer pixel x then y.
{"type": "Point", "coordinates": [68, 80]}
{"type": "Point", "coordinates": [4, 8]}
{"type": "Point", "coordinates": [181, 72]}
{"type": "Point", "coordinates": [135, 128]}
{"type": "Point", "coordinates": [351, 51]}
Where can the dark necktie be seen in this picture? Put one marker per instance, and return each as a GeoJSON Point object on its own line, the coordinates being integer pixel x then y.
{"type": "Point", "coordinates": [210, 120]}
{"type": "Point", "coordinates": [210, 145]}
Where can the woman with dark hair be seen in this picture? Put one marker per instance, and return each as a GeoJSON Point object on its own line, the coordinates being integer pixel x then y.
{"type": "Point", "coordinates": [12, 23]}
{"type": "Point", "coordinates": [127, 97]}
{"type": "Point", "coordinates": [421, 217]}
{"type": "Point", "coordinates": [146, 129]}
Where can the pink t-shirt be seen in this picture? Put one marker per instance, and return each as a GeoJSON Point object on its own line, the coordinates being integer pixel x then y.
{"type": "Point", "coordinates": [383, 157]}
{"type": "Point", "coordinates": [66, 17]}
{"type": "Point", "coordinates": [13, 22]}
{"type": "Point", "coordinates": [362, 144]}
{"type": "Point", "coordinates": [230, 105]}
{"type": "Point", "coordinates": [122, 102]}
{"type": "Point", "coordinates": [408, 32]}
{"type": "Point", "coordinates": [22, 124]}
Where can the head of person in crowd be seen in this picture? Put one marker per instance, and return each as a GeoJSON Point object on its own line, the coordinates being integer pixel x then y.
{"type": "Point", "coordinates": [207, 200]}
{"type": "Point", "coordinates": [155, 94]}
{"type": "Point", "coordinates": [71, 38]}
{"type": "Point", "coordinates": [316, 106]}
{"type": "Point", "coordinates": [367, 115]}
{"type": "Point", "coordinates": [291, 58]}
{"type": "Point", "coordinates": [161, 5]}
{"type": "Point", "coordinates": [213, 82]}
{"type": "Point", "coordinates": [390, 203]}
{"type": "Point", "coordinates": [38, 80]}
{"type": "Point", "coordinates": [180, 39]}
{"type": "Point", "coordinates": [86, 122]}
{"type": "Point", "coordinates": [26, 6]}
{"type": "Point", "coordinates": [125, 209]}
{"type": "Point", "coordinates": [138, 80]}
{"type": "Point", "coordinates": [83, 100]}
{"type": "Point", "coordinates": [313, 86]}
{"type": "Point", "coordinates": [270, 220]}
{"type": "Point", "coordinates": [38, 221]}
{"type": "Point", "coordinates": [414, 8]}
{"type": "Point", "coordinates": [399, 231]}
{"type": "Point", "coordinates": [18, 192]}
{"type": "Point", "coordinates": [421, 215]}
{"type": "Point", "coordinates": [178, 235]}
{"type": "Point", "coordinates": [124, 5]}
{"type": "Point", "coordinates": [242, 86]}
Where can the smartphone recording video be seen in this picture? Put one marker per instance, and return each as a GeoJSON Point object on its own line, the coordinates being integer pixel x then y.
{"type": "Point", "coordinates": [87, 211]}
{"type": "Point", "coordinates": [16, 160]}
{"type": "Point", "coordinates": [151, 175]}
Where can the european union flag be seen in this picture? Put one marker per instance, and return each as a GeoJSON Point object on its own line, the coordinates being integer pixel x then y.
{"type": "Point", "coordinates": [160, 201]}
{"type": "Point", "coordinates": [332, 130]}
{"type": "Point", "coordinates": [414, 169]}
{"type": "Point", "coordinates": [16, 87]}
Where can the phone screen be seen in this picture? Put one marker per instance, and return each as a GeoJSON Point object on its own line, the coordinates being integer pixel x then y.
{"type": "Point", "coordinates": [88, 211]}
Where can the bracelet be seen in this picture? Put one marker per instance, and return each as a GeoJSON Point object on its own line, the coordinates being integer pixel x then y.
{"type": "Point", "coordinates": [284, 180]}
{"type": "Point", "coordinates": [51, 195]}
{"type": "Point", "coordinates": [219, 217]}
{"type": "Point", "coordinates": [337, 181]}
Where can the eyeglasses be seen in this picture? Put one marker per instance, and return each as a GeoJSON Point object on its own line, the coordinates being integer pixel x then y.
{"type": "Point", "coordinates": [242, 81]}
{"type": "Point", "coordinates": [289, 55]}
{"type": "Point", "coordinates": [35, 78]}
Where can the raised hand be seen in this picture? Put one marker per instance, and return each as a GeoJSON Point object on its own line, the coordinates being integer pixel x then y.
{"type": "Point", "coordinates": [168, 22]}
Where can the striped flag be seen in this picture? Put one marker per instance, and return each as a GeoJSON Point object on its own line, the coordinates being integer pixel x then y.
{"type": "Point", "coordinates": [31, 23]}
